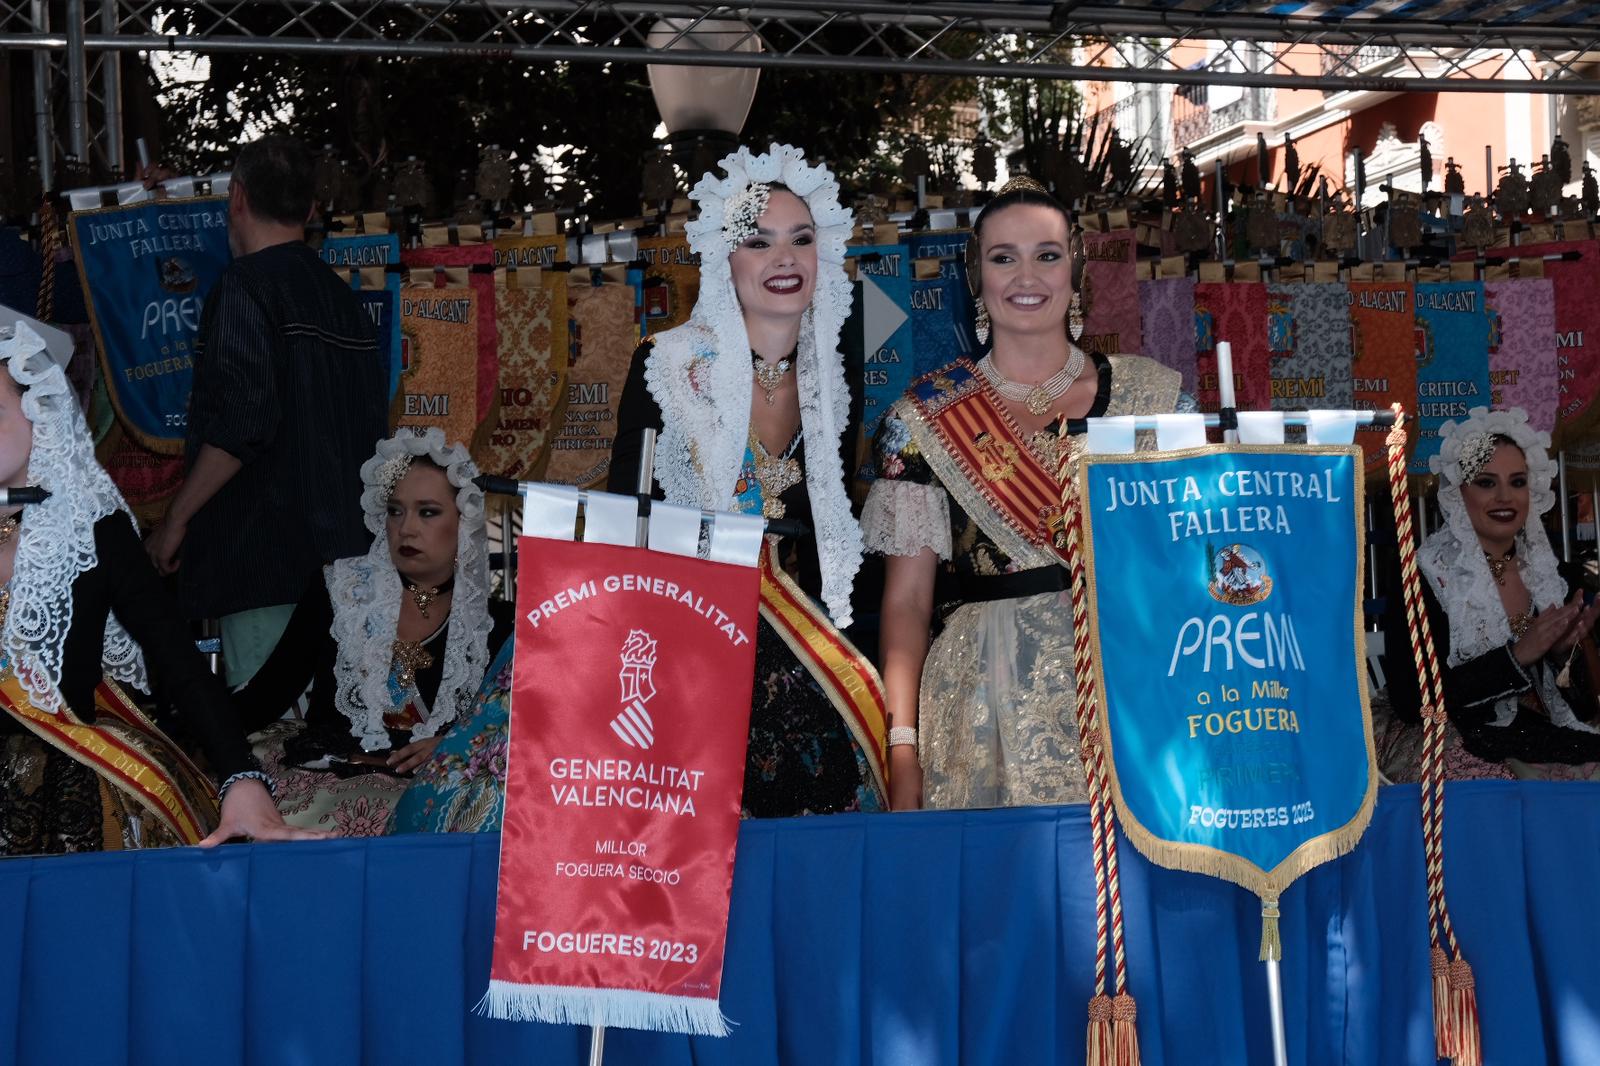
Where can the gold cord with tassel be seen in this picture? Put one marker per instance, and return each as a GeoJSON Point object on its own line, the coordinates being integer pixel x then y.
{"type": "Point", "coordinates": [1271, 939]}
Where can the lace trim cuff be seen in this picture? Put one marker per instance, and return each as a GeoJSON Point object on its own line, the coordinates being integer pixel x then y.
{"type": "Point", "coordinates": [903, 517]}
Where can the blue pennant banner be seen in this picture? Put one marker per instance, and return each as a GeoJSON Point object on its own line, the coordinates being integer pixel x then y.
{"type": "Point", "coordinates": [147, 270]}
{"type": "Point", "coordinates": [1225, 616]}
{"type": "Point", "coordinates": [349, 256]}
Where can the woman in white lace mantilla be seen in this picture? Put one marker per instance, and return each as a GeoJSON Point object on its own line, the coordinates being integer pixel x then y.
{"type": "Point", "coordinates": [82, 767]}
{"type": "Point", "coordinates": [394, 644]}
{"type": "Point", "coordinates": [750, 402]}
{"type": "Point", "coordinates": [967, 484]}
{"type": "Point", "coordinates": [1519, 699]}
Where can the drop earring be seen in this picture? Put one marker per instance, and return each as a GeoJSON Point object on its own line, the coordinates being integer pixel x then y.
{"type": "Point", "coordinates": [1075, 318]}
{"type": "Point", "coordinates": [980, 325]}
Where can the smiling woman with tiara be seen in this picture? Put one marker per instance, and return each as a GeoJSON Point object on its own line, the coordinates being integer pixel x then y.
{"type": "Point", "coordinates": [968, 462]}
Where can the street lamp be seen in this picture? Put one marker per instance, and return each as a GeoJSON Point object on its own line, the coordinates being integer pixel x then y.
{"type": "Point", "coordinates": [704, 108]}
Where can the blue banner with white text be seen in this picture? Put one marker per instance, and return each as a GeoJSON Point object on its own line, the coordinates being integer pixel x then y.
{"type": "Point", "coordinates": [147, 269]}
{"type": "Point", "coordinates": [1225, 613]}
{"type": "Point", "coordinates": [349, 257]}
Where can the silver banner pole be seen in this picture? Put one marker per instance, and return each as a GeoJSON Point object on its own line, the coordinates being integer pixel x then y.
{"type": "Point", "coordinates": [1280, 1043]}
{"type": "Point", "coordinates": [647, 466]}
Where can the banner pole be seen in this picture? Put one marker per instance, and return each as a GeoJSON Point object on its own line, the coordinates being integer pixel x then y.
{"type": "Point", "coordinates": [644, 483]}
{"type": "Point", "coordinates": [647, 465]}
{"type": "Point", "coordinates": [508, 540]}
{"type": "Point", "coordinates": [1280, 1044]}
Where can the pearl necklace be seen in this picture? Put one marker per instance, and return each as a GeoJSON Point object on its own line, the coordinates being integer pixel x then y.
{"type": "Point", "coordinates": [1038, 399]}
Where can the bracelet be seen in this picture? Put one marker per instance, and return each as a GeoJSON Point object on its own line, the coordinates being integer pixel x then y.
{"type": "Point", "coordinates": [247, 775]}
{"type": "Point", "coordinates": [903, 735]}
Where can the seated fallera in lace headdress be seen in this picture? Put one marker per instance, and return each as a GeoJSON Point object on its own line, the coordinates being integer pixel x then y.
{"type": "Point", "coordinates": [699, 373]}
{"type": "Point", "coordinates": [1454, 562]}
{"type": "Point", "coordinates": [56, 541]}
{"type": "Point", "coordinates": [365, 592]}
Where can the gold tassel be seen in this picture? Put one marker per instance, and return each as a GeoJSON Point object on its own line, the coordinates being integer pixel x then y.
{"type": "Point", "coordinates": [1125, 1029]}
{"type": "Point", "coordinates": [1102, 1045]}
{"type": "Point", "coordinates": [1271, 941]}
{"type": "Point", "coordinates": [1443, 1041]}
{"type": "Point", "coordinates": [1468, 1049]}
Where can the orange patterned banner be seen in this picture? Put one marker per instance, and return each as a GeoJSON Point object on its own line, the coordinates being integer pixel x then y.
{"type": "Point", "coordinates": [604, 337]}
{"type": "Point", "coordinates": [1384, 356]}
{"type": "Point", "coordinates": [532, 320]}
{"type": "Point", "coordinates": [438, 362]}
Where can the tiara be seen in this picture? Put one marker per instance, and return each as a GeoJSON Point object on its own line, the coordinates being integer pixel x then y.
{"type": "Point", "coordinates": [1474, 453]}
{"type": "Point", "coordinates": [389, 473]}
{"type": "Point", "coordinates": [1022, 183]}
{"type": "Point", "coordinates": [743, 210]}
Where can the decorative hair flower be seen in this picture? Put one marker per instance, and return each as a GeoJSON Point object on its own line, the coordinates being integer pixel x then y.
{"type": "Point", "coordinates": [1476, 451]}
{"type": "Point", "coordinates": [743, 211]}
{"type": "Point", "coordinates": [390, 473]}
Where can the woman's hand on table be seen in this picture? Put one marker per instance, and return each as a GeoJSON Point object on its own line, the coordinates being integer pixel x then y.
{"type": "Point", "coordinates": [248, 811]}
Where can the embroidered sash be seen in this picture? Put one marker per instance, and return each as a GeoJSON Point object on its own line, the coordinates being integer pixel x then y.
{"type": "Point", "coordinates": [127, 750]}
{"type": "Point", "coordinates": [851, 682]}
{"type": "Point", "coordinates": [987, 446]}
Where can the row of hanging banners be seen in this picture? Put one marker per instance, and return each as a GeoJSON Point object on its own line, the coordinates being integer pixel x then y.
{"type": "Point", "coordinates": [623, 796]}
{"type": "Point", "coordinates": [505, 345]}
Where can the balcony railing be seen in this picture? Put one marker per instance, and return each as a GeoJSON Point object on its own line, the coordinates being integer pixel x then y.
{"type": "Point", "coordinates": [1193, 118]}
{"type": "Point", "coordinates": [1342, 60]}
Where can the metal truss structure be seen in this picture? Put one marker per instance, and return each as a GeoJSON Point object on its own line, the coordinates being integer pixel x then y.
{"type": "Point", "coordinates": [1449, 45]}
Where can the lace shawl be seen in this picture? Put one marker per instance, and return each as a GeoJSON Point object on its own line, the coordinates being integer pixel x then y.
{"type": "Point", "coordinates": [699, 373]}
{"type": "Point", "coordinates": [56, 542]}
{"type": "Point", "coordinates": [365, 591]}
{"type": "Point", "coordinates": [1453, 562]}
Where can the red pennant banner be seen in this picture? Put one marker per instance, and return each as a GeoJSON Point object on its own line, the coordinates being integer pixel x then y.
{"type": "Point", "coordinates": [629, 719]}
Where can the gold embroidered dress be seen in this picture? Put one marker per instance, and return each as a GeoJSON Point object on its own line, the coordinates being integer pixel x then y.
{"type": "Point", "coordinates": [996, 715]}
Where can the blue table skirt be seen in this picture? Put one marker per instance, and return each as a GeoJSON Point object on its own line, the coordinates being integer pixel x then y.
{"type": "Point", "coordinates": [960, 937]}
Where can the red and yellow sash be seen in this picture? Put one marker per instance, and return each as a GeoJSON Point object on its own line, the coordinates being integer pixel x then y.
{"type": "Point", "coordinates": [851, 682]}
{"type": "Point", "coordinates": [126, 749]}
{"type": "Point", "coordinates": [987, 446]}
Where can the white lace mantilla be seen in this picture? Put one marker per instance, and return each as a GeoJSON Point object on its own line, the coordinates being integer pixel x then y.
{"type": "Point", "coordinates": [365, 591]}
{"type": "Point", "coordinates": [56, 542]}
{"type": "Point", "coordinates": [1453, 562]}
{"type": "Point", "coordinates": [699, 373]}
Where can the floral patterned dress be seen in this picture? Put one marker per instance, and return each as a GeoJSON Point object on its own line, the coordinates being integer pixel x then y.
{"type": "Point", "coordinates": [462, 788]}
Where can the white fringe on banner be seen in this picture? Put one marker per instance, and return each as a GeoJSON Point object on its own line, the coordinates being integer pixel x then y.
{"type": "Point", "coordinates": [613, 1008]}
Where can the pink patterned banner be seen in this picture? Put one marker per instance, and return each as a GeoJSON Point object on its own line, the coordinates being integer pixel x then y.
{"type": "Point", "coordinates": [1111, 293]}
{"type": "Point", "coordinates": [1522, 348]}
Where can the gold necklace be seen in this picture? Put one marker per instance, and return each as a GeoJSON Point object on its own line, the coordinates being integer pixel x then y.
{"type": "Point", "coordinates": [1498, 565]}
{"type": "Point", "coordinates": [8, 528]}
{"type": "Point", "coordinates": [424, 596]}
{"type": "Point", "coordinates": [775, 474]}
{"type": "Point", "coordinates": [409, 657]}
{"type": "Point", "coordinates": [770, 375]}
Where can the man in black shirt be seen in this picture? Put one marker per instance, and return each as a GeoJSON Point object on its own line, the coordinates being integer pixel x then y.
{"type": "Point", "coordinates": [289, 400]}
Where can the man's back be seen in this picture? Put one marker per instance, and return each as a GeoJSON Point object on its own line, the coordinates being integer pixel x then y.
{"type": "Point", "coordinates": [289, 381]}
